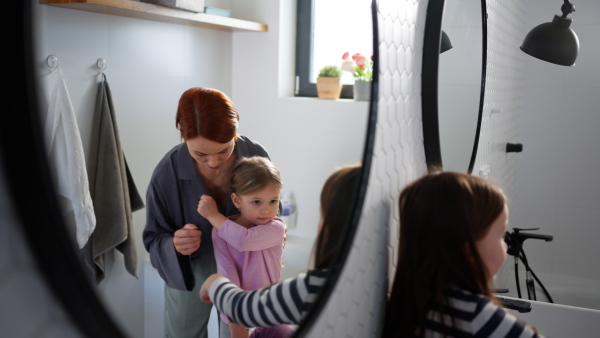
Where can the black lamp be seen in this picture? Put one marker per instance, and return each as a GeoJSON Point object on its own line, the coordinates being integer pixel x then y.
{"type": "Point", "coordinates": [555, 41]}
{"type": "Point", "coordinates": [446, 44]}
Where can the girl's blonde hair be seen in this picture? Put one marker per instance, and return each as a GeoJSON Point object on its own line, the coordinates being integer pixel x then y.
{"type": "Point", "coordinates": [252, 174]}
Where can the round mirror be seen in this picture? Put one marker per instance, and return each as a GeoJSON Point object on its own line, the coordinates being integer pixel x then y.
{"type": "Point", "coordinates": [453, 82]}
{"type": "Point", "coordinates": [67, 279]}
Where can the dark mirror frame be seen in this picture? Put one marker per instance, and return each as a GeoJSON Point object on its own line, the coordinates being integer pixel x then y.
{"type": "Point", "coordinates": [429, 84]}
{"type": "Point", "coordinates": [356, 209]}
{"type": "Point", "coordinates": [30, 186]}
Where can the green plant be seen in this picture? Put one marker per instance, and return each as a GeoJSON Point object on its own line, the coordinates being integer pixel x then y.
{"type": "Point", "coordinates": [330, 71]}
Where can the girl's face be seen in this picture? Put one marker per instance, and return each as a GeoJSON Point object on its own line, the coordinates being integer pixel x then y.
{"type": "Point", "coordinates": [259, 207]}
{"type": "Point", "coordinates": [209, 154]}
{"type": "Point", "coordinates": [492, 247]}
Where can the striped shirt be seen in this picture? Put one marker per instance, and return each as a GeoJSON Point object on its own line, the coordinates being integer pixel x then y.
{"type": "Point", "coordinates": [286, 302]}
{"type": "Point", "coordinates": [474, 315]}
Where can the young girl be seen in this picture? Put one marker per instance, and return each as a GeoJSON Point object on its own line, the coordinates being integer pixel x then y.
{"type": "Point", "coordinates": [289, 301]}
{"type": "Point", "coordinates": [249, 246]}
{"type": "Point", "coordinates": [452, 229]}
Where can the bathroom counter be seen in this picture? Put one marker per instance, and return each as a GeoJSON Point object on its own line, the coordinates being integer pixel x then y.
{"type": "Point", "coordinates": [556, 320]}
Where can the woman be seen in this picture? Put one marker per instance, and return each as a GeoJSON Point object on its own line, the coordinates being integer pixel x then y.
{"type": "Point", "coordinates": [177, 237]}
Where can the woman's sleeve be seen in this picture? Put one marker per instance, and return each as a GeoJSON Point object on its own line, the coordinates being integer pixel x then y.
{"type": "Point", "coordinates": [256, 238]}
{"type": "Point", "coordinates": [283, 303]}
{"type": "Point", "coordinates": [157, 236]}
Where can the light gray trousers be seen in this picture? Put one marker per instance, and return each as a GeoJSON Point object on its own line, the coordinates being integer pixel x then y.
{"type": "Point", "coordinates": [186, 316]}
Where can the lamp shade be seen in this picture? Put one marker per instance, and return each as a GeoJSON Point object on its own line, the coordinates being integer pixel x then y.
{"type": "Point", "coordinates": [553, 42]}
{"type": "Point", "coordinates": [446, 44]}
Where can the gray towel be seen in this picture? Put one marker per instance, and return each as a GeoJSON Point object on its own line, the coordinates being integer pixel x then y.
{"type": "Point", "coordinates": [113, 191]}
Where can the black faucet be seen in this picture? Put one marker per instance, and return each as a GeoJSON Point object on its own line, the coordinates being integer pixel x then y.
{"type": "Point", "coordinates": [515, 241]}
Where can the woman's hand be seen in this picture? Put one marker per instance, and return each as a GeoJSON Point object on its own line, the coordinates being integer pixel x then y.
{"type": "Point", "coordinates": [206, 285]}
{"type": "Point", "coordinates": [207, 208]}
{"type": "Point", "coordinates": [187, 239]}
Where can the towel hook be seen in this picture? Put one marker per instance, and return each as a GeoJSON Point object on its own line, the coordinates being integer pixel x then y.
{"type": "Point", "coordinates": [102, 65]}
{"type": "Point", "coordinates": [52, 62]}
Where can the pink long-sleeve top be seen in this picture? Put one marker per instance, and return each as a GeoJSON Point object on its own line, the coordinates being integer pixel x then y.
{"type": "Point", "coordinates": [250, 258]}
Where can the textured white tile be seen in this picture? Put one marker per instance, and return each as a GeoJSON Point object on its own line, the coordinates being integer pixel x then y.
{"type": "Point", "coordinates": [542, 116]}
{"type": "Point", "coordinates": [577, 177]}
{"type": "Point", "coordinates": [538, 174]}
{"type": "Point", "coordinates": [585, 72]}
{"type": "Point", "coordinates": [579, 118]}
{"type": "Point", "coordinates": [576, 239]}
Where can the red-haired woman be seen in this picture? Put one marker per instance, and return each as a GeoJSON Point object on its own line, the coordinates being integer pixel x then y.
{"type": "Point", "coordinates": [177, 237]}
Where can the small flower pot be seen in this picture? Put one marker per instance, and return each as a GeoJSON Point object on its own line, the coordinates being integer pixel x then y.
{"type": "Point", "coordinates": [329, 88]}
{"type": "Point", "coordinates": [362, 90]}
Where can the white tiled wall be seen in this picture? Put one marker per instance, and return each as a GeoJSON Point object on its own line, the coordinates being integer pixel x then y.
{"type": "Point", "coordinates": [553, 111]}
{"type": "Point", "coordinates": [553, 185]}
{"type": "Point", "coordinates": [355, 309]}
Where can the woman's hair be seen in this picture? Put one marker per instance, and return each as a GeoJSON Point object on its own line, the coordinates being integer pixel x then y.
{"type": "Point", "coordinates": [208, 113]}
{"type": "Point", "coordinates": [252, 174]}
{"type": "Point", "coordinates": [337, 197]}
{"type": "Point", "coordinates": [442, 216]}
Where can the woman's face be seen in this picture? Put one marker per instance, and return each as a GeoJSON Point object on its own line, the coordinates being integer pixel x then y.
{"type": "Point", "coordinates": [210, 154]}
{"type": "Point", "coordinates": [492, 247]}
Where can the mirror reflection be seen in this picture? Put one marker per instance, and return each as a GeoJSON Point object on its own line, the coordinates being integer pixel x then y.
{"type": "Point", "coordinates": [460, 70]}
{"type": "Point", "coordinates": [149, 64]}
{"type": "Point", "coordinates": [554, 189]}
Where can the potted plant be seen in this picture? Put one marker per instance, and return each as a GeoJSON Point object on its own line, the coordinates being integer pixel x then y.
{"type": "Point", "coordinates": [362, 71]}
{"type": "Point", "coordinates": [329, 86]}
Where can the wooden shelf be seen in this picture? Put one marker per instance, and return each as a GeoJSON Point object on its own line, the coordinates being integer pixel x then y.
{"type": "Point", "coordinates": [142, 10]}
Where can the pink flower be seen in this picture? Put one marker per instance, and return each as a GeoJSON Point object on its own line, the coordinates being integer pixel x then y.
{"type": "Point", "coordinates": [358, 66]}
{"type": "Point", "coordinates": [360, 60]}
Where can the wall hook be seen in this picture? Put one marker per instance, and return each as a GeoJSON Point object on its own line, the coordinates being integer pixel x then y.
{"type": "Point", "coordinates": [102, 65]}
{"type": "Point", "coordinates": [52, 62]}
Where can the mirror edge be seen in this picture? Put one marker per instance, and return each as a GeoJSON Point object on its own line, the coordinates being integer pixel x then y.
{"type": "Point", "coordinates": [484, 17]}
{"type": "Point", "coordinates": [429, 84]}
{"type": "Point", "coordinates": [341, 256]}
{"type": "Point", "coordinates": [50, 245]}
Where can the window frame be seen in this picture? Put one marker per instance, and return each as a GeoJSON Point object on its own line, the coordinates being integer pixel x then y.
{"type": "Point", "coordinates": [304, 50]}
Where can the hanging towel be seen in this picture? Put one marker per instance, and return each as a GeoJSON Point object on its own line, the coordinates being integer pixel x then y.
{"type": "Point", "coordinates": [67, 162]}
{"type": "Point", "coordinates": [113, 191]}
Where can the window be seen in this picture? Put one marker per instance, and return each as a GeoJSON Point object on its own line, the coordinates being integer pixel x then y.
{"type": "Point", "coordinates": [326, 29]}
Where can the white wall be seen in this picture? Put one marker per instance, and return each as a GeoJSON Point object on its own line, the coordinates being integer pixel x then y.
{"type": "Point", "coordinates": [307, 138]}
{"type": "Point", "coordinates": [557, 188]}
{"type": "Point", "coordinates": [151, 63]}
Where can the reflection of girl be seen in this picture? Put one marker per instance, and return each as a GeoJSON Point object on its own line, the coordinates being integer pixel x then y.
{"type": "Point", "coordinates": [287, 302]}
{"type": "Point", "coordinates": [452, 229]}
{"type": "Point", "coordinates": [249, 246]}
{"type": "Point", "coordinates": [176, 236]}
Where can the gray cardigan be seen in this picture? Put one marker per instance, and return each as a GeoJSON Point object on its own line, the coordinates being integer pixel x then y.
{"type": "Point", "coordinates": [171, 202]}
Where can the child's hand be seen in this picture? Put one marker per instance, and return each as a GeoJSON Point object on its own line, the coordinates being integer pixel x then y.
{"type": "Point", "coordinates": [206, 285]}
{"type": "Point", "coordinates": [207, 208]}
